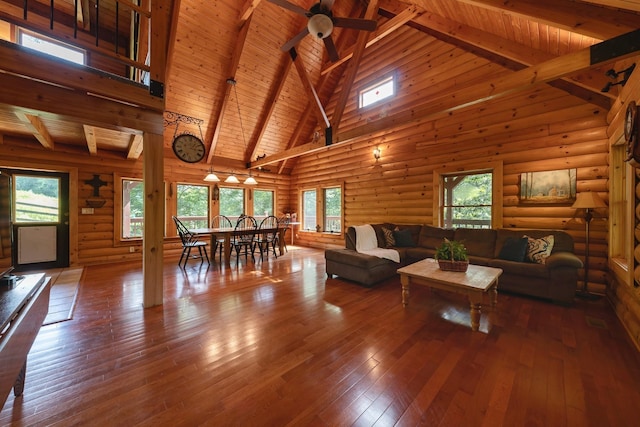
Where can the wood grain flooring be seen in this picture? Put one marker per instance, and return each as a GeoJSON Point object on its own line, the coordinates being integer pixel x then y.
{"type": "Point", "coordinates": [277, 343]}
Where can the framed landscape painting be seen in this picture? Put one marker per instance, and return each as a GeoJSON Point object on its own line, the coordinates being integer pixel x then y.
{"type": "Point", "coordinates": [548, 187]}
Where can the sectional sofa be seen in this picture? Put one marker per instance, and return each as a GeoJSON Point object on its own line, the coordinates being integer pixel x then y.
{"type": "Point", "coordinates": [553, 277]}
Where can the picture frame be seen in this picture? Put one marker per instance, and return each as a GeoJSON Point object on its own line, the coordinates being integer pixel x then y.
{"type": "Point", "coordinates": [548, 187]}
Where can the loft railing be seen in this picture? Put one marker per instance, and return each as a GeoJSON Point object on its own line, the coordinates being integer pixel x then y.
{"type": "Point", "coordinates": [115, 33]}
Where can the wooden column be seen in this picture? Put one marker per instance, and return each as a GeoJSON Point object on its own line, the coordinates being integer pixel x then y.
{"type": "Point", "coordinates": [153, 233]}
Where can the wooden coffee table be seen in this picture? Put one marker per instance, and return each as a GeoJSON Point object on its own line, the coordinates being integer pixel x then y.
{"type": "Point", "coordinates": [475, 283]}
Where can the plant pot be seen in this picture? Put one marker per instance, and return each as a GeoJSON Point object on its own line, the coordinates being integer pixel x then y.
{"type": "Point", "coordinates": [448, 265]}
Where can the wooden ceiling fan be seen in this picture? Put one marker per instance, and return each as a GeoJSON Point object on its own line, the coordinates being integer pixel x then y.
{"type": "Point", "coordinates": [321, 23]}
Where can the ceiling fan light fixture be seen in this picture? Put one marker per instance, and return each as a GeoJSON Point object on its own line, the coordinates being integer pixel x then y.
{"type": "Point", "coordinates": [320, 25]}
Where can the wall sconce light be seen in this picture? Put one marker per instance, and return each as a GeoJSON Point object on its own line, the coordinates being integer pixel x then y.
{"type": "Point", "coordinates": [613, 74]}
{"type": "Point", "coordinates": [377, 153]}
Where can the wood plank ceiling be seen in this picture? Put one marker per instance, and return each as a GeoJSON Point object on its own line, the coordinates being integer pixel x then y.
{"type": "Point", "coordinates": [271, 109]}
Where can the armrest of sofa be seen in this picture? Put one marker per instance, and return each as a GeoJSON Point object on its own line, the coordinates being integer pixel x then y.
{"type": "Point", "coordinates": [563, 259]}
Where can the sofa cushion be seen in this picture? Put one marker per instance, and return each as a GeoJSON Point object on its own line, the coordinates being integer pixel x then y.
{"type": "Point", "coordinates": [514, 249]}
{"type": "Point", "coordinates": [539, 249]}
{"type": "Point", "coordinates": [479, 242]}
{"type": "Point", "coordinates": [355, 259]}
{"type": "Point", "coordinates": [432, 237]}
{"type": "Point", "coordinates": [514, 268]}
{"type": "Point", "coordinates": [403, 238]}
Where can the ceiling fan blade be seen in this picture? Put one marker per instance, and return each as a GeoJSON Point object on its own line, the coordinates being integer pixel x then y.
{"type": "Point", "coordinates": [290, 6]}
{"type": "Point", "coordinates": [331, 49]}
{"type": "Point", "coordinates": [295, 40]}
{"type": "Point", "coordinates": [355, 23]}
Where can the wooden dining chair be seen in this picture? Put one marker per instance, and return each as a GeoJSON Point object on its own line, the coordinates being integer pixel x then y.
{"type": "Point", "coordinates": [219, 221]}
{"type": "Point", "coordinates": [190, 241]}
{"type": "Point", "coordinates": [266, 236]}
{"type": "Point", "coordinates": [283, 226]}
{"type": "Point", "coordinates": [243, 238]}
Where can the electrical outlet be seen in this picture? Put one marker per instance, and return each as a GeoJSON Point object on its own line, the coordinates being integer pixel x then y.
{"type": "Point", "coordinates": [132, 249]}
{"type": "Point", "coordinates": [87, 211]}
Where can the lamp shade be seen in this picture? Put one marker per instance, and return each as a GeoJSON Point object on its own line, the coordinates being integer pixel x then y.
{"type": "Point", "coordinates": [588, 200]}
{"type": "Point", "coordinates": [250, 181]}
{"type": "Point", "coordinates": [231, 179]}
{"type": "Point", "coordinates": [320, 25]}
{"type": "Point", "coordinates": [211, 177]}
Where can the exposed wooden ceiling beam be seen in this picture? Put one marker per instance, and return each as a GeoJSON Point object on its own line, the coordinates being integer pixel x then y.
{"type": "Point", "coordinates": [38, 128]}
{"type": "Point", "coordinates": [248, 9]}
{"type": "Point", "coordinates": [384, 30]}
{"type": "Point", "coordinates": [34, 97]}
{"type": "Point", "coordinates": [90, 136]}
{"type": "Point", "coordinates": [518, 81]}
{"type": "Point", "coordinates": [308, 86]}
{"type": "Point", "coordinates": [589, 82]}
{"type": "Point", "coordinates": [581, 18]}
{"type": "Point", "coordinates": [135, 147]}
{"type": "Point", "coordinates": [277, 87]}
{"type": "Point", "coordinates": [628, 4]}
{"type": "Point", "coordinates": [216, 116]}
{"type": "Point", "coordinates": [352, 70]}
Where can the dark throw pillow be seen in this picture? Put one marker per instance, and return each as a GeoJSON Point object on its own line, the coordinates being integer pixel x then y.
{"type": "Point", "coordinates": [514, 249]}
{"type": "Point", "coordinates": [388, 237]}
{"type": "Point", "coordinates": [403, 238]}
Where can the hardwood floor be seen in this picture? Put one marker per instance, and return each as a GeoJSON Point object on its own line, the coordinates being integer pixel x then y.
{"type": "Point", "coordinates": [279, 344]}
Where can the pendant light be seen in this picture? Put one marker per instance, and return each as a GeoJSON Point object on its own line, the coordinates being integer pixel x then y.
{"type": "Point", "coordinates": [250, 180]}
{"type": "Point", "coordinates": [231, 179]}
{"type": "Point", "coordinates": [211, 177]}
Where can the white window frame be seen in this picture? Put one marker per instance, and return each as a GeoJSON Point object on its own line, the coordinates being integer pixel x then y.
{"type": "Point", "coordinates": [381, 82]}
{"type": "Point", "coordinates": [48, 40]}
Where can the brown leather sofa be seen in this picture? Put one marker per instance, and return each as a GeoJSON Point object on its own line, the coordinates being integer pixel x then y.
{"type": "Point", "coordinates": [555, 280]}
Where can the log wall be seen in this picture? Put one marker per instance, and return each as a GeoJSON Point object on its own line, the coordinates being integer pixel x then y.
{"type": "Point", "coordinates": [536, 130]}
{"type": "Point", "coordinates": [97, 237]}
{"type": "Point", "coordinates": [624, 280]}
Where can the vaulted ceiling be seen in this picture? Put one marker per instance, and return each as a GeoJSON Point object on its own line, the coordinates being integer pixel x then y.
{"type": "Point", "coordinates": [278, 104]}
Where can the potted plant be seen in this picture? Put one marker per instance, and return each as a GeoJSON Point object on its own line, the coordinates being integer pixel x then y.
{"type": "Point", "coordinates": [452, 256]}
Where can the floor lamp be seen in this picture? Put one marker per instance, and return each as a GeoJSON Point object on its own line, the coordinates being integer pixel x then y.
{"type": "Point", "coordinates": [588, 201]}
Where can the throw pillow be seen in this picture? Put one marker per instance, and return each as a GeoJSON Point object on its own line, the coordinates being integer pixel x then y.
{"type": "Point", "coordinates": [514, 249]}
{"type": "Point", "coordinates": [403, 238]}
{"type": "Point", "coordinates": [539, 249]}
{"type": "Point", "coordinates": [388, 237]}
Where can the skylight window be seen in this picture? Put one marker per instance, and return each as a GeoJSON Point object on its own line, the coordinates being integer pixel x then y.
{"type": "Point", "coordinates": [52, 47]}
{"type": "Point", "coordinates": [382, 89]}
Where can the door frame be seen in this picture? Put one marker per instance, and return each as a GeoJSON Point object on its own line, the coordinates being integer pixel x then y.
{"type": "Point", "coordinates": [25, 167]}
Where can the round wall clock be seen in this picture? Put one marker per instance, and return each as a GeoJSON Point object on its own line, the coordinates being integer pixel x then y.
{"type": "Point", "coordinates": [188, 148]}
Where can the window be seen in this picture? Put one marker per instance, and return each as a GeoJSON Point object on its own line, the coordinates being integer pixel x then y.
{"type": "Point", "coordinates": [309, 210]}
{"type": "Point", "coordinates": [52, 47]}
{"type": "Point", "coordinates": [621, 218]}
{"type": "Point", "coordinates": [466, 195]}
{"type": "Point", "coordinates": [132, 208]}
{"type": "Point", "coordinates": [333, 209]}
{"type": "Point", "coordinates": [232, 203]}
{"type": "Point", "coordinates": [466, 200]}
{"type": "Point", "coordinates": [193, 205]}
{"type": "Point", "coordinates": [382, 89]}
{"type": "Point", "coordinates": [36, 199]}
{"type": "Point", "coordinates": [262, 204]}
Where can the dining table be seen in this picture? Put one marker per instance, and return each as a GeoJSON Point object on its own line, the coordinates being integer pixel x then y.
{"type": "Point", "coordinates": [227, 233]}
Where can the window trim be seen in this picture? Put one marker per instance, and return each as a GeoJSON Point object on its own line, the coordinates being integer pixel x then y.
{"type": "Point", "coordinates": [496, 168]}
{"type": "Point", "coordinates": [320, 217]}
{"type": "Point", "coordinates": [23, 31]}
{"type": "Point", "coordinates": [372, 85]}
